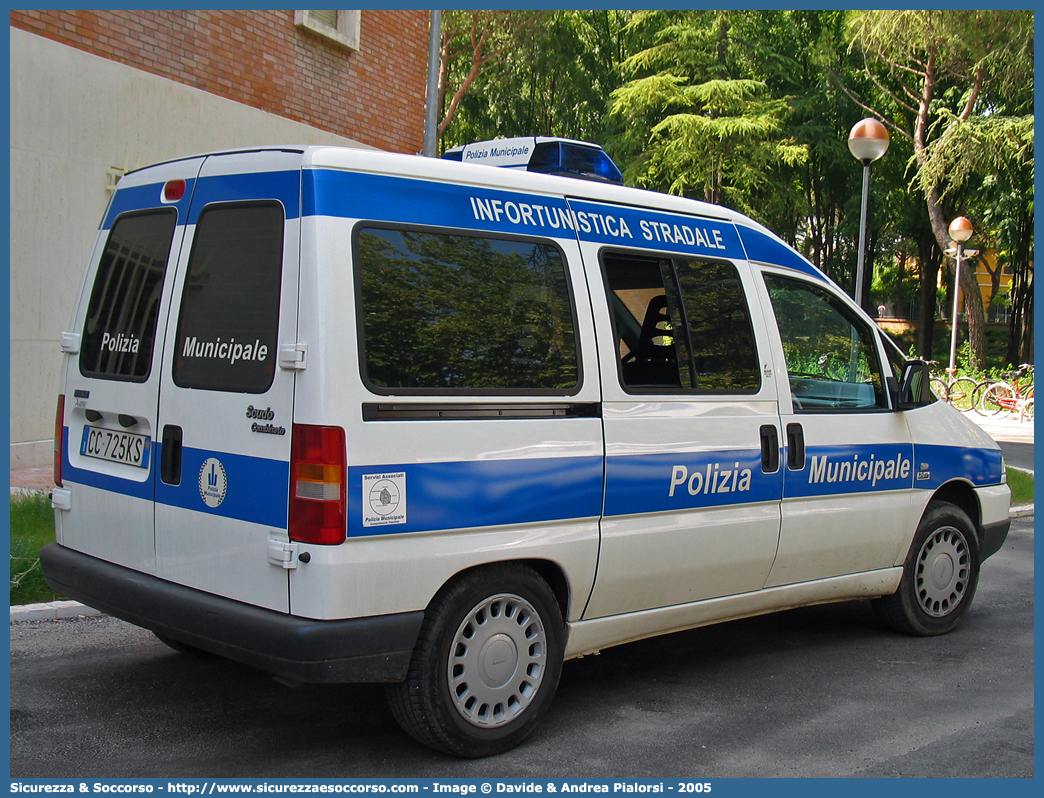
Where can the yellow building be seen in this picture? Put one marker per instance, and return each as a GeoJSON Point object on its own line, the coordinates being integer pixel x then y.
{"type": "Point", "coordinates": [993, 281]}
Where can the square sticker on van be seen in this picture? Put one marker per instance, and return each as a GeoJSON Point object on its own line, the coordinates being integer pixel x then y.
{"type": "Point", "coordinates": [384, 499]}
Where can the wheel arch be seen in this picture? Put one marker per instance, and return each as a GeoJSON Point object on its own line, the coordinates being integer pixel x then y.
{"type": "Point", "coordinates": [551, 572]}
{"type": "Point", "coordinates": [961, 493]}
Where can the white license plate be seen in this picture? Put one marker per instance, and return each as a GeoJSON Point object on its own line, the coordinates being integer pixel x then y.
{"type": "Point", "coordinates": [116, 447]}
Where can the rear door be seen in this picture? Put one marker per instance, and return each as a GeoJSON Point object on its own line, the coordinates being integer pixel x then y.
{"type": "Point", "coordinates": [112, 378]}
{"type": "Point", "coordinates": [225, 404]}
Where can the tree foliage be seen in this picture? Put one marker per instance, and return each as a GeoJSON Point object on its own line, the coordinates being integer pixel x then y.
{"type": "Point", "coordinates": [954, 84]}
{"type": "Point", "coordinates": [752, 109]}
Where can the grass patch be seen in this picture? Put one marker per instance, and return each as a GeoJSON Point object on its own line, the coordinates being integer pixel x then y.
{"type": "Point", "coordinates": [32, 527]}
{"type": "Point", "coordinates": [1021, 484]}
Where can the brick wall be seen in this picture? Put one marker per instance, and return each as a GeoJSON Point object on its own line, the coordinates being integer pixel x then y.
{"type": "Point", "coordinates": [259, 58]}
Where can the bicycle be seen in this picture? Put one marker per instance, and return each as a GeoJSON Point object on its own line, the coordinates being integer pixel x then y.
{"type": "Point", "coordinates": [1009, 396]}
{"type": "Point", "coordinates": [961, 392]}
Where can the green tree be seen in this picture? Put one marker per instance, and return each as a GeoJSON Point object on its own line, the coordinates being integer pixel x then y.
{"type": "Point", "coordinates": [697, 118]}
{"type": "Point", "coordinates": [555, 79]}
{"type": "Point", "coordinates": [472, 43]}
{"type": "Point", "coordinates": [956, 85]}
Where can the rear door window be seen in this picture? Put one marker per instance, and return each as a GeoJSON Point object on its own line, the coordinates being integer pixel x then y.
{"type": "Point", "coordinates": [120, 331]}
{"type": "Point", "coordinates": [682, 325]}
{"type": "Point", "coordinates": [228, 327]}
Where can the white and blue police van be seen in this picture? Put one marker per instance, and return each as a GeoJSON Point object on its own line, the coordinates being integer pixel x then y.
{"type": "Point", "coordinates": [351, 416]}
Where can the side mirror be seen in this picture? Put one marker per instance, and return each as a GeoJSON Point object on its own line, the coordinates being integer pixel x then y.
{"type": "Point", "coordinates": [914, 390]}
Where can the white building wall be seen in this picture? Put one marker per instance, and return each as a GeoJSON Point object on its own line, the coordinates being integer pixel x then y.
{"type": "Point", "coordinates": [75, 116]}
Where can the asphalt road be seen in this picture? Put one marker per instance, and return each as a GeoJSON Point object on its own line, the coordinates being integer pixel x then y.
{"type": "Point", "coordinates": [819, 691]}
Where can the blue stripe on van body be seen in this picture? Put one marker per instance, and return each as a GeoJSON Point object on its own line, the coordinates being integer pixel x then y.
{"type": "Point", "coordinates": [484, 493]}
{"type": "Point", "coordinates": [352, 195]}
{"type": "Point", "coordinates": [284, 186]}
{"type": "Point", "coordinates": [656, 230]}
{"type": "Point", "coordinates": [257, 488]}
{"type": "Point", "coordinates": [766, 249]}
{"type": "Point", "coordinates": [852, 468]}
{"type": "Point", "coordinates": [145, 197]}
{"type": "Point", "coordinates": [356, 195]}
{"type": "Point", "coordinates": [653, 483]}
{"type": "Point", "coordinates": [981, 467]}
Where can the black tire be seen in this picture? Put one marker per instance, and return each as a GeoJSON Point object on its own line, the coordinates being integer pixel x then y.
{"type": "Point", "coordinates": [940, 575]}
{"type": "Point", "coordinates": [486, 664]}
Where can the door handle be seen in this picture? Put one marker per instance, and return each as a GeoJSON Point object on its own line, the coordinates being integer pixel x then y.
{"type": "Point", "coordinates": [769, 449]}
{"type": "Point", "coordinates": [795, 447]}
{"type": "Point", "coordinates": [170, 463]}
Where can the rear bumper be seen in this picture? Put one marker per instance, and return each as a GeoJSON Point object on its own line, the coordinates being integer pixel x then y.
{"type": "Point", "coordinates": [376, 649]}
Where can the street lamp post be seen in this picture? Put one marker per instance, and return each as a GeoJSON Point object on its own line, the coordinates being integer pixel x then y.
{"type": "Point", "coordinates": [867, 141]}
{"type": "Point", "coordinates": [960, 231]}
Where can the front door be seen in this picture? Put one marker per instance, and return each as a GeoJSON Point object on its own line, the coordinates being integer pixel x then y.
{"type": "Point", "coordinates": [226, 405]}
{"type": "Point", "coordinates": [848, 466]}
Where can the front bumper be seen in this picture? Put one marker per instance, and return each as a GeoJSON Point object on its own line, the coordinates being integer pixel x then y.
{"type": "Point", "coordinates": [992, 537]}
{"type": "Point", "coordinates": [376, 649]}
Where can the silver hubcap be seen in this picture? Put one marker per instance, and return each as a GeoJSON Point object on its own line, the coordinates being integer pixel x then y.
{"type": "Point", "coordinates": [497, 660]}
{"type": "Point", "coordinates": [943, 567]}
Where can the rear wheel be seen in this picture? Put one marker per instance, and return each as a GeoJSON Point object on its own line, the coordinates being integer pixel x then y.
{"type": "Point", "coordinates": [962, 393]}
{"type": "Point", "coordinates": [940, 575]}
{"type": "Point", "coordinates": [486, 665]}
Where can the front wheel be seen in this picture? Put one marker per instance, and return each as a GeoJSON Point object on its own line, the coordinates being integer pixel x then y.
{"type": "Point", "coordinates": [486, 665]}
{"type": "Point", "coordinates": [940, 575]}
{"type": "Point", "coordinates": [962, 393]}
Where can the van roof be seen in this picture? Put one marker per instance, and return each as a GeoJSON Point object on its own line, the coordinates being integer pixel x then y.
{"type": "Point", "coordinates": [480, 175]}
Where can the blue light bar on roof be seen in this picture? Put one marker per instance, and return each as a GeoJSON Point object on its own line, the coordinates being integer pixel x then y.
{"type": "Point", "coordinates": [553, 156]}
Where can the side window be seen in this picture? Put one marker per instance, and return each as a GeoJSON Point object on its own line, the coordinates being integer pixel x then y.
{"type": "Point", "coordinates": [896, 358]}
{"type": "Point", "coordinates": [831, 358]}
{"type": "Point", "coordinates": [228, 326]}
{"type": "Point", "coordinates": [120, 331]}
{"type": "Point", "coordinates": [442, 313]}
{"type": "Point", "coordinates": [681, 325]}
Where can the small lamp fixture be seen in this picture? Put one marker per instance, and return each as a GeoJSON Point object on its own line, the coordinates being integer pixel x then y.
{"type": "Point", "coordinates": [867, 141]}
{"type": "Point", "coordinates": [960, 231]}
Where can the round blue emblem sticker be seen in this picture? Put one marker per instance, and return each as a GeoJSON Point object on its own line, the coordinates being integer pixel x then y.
{"type": "Point", "coordinates": [212, 482]}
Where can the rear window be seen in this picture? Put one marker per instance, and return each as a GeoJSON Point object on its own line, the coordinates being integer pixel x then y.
{"type": "Point", "coordinates": [445, 313]}
{"type": "Point", "coordinates": [229, 320]}
{"type": "Point", "coordinates": [120, 332]}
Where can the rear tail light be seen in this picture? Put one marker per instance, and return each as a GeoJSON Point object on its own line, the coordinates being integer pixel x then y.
{"type": "Point", "coordinates": [59, 427]}
{"type": "Point", "coordinates": [318, 507]}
